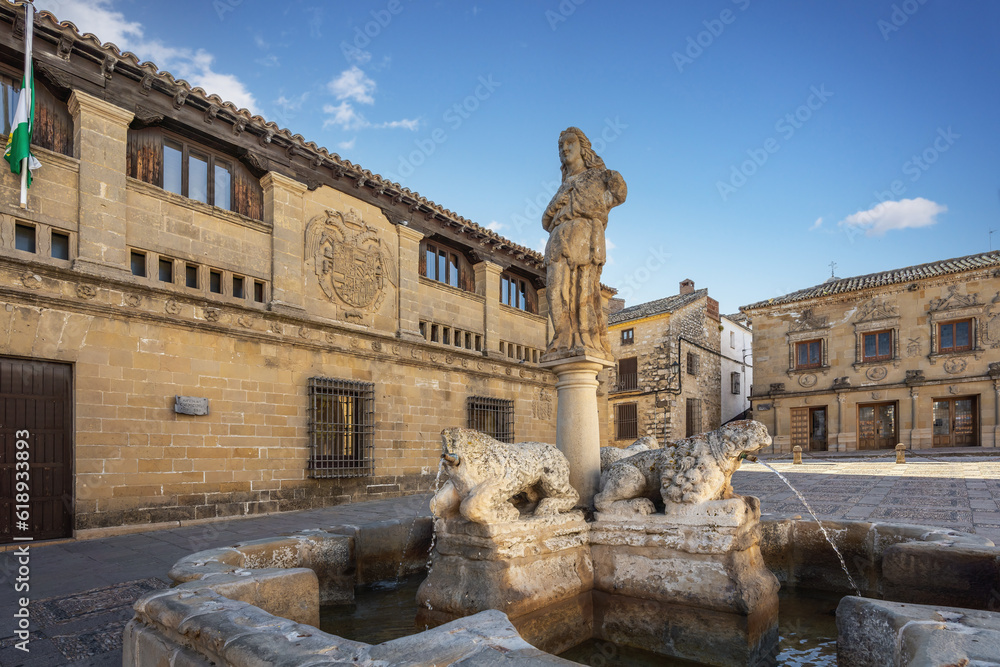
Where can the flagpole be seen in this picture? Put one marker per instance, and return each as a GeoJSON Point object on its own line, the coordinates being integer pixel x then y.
{"type": "Point", "coordinates": [29, 31]}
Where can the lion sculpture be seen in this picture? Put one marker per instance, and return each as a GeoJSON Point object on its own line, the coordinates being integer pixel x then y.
{"type": "Point", "coordinates": [485, 474]}
{"type": "Point", "coordinates": [610, 455]}
{"type": "Point", "coordinates": [693, 470]}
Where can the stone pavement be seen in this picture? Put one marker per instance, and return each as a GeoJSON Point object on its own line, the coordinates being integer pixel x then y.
{"type": "Point", "coordinates": [82, 591]}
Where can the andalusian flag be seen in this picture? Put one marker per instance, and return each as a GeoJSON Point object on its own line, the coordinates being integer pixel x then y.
{"type": "Point", "coordinates": [19, 141]}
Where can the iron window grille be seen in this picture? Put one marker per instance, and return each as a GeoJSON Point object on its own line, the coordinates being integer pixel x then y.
{"type": "Point", "coordinates": [492, 416]}
{"type": "Point", "coordinates": [628, 374]}
{"type": "Point", "coordinates": [626, 421]}
{"type": "Point", "coordinates": [341, 428]}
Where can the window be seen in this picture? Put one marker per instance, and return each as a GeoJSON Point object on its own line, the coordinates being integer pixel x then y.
{"type": "Point", "coordinates": [215, 282]}
{"type": "Point", "coordinates": [628, 374]}
{"type": "Point", "coordinates": [692, 417]}
{"type": "Point", "coordinates": [258, 291]}
{"type": "Point", "coordinates": [341, 428]}
{"type": "Point", "coordinates": [877, 346]}
{"type": "Point", "coordinates": [191, 275]}
{"type": "Point", "coordinates": [60, 245]}
{"type": "Point", "coordinates": [732, 339]}
{"type": "Point", "coordinates": [24, 237]}
{"type": "Point", "coordinates": [434, 333]}
{"type": "Point", "coordinates": [238, 287]}
{"type": "Point", "coordinates": [166, 270]}
{"type": "Point", "coordinates": [138, 262]}
{"type": "Point", "coordinates": [628, 336]}
{"type": "Point", "coordinates": [188, 170]}
{"type": "Point", "coordinates": [692, 363]}
{"type": "Point", "coordinates": [626, 421]}
{"type": "Point", "coordinates": [441, 264]}
{"type": "Point", "coordinates": [955, 336]}
{"type": "Point", "coordinates": [809, 354]}
{"type": "Point", "coordinates": [516, 293]}
{"type": "Point", "coordinates": [492, 416]}
{"type": "Point", "coordinates": [734, 380]}
{"type": "Point", "coordinates": [53, 126]}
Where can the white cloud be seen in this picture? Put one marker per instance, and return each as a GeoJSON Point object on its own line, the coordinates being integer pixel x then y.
{"type": "Point", "coordinates": [815, 225]}
{"type": "Point", "coordinates": [353, 84]}
{"type": "Point", "coordinates": [902, 214]}
{"type": "Point", "coordinates": [100, 18]}
{"type": "Point", "coordinates": [347, 145]}
{"type": "Point", "coordinates": [345, 116]}
{"type": "Point", "coordinates": [609, 244]}
{"type": "Point", "coordinates": [406, 124]}
{"type": "Point", "coordinates": [294, 104]}
{"type": "Point", "coordinates": [495, 226]}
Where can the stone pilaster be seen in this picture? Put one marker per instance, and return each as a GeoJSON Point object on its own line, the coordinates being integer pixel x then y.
{"type": "Point", "coordinates": [914, 395]}
{"type": "Point", "coordinates": [488, 284]}
{"type": "Point", "coordinates": [409, 281]}
{"type": "Point", "coordinates": [284, 209]}
{"type": "Point", "coordinates": [100, 136]}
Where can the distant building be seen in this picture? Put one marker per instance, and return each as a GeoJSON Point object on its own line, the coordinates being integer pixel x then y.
{"type": "Point", "coordinates": [906, 356]}
{"type": "Point", "coordinates": [736, 346]}
{"type": "Point", "coordinates": [667, 377]}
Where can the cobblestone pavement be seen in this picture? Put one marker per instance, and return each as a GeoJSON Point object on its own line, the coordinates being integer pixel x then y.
{"type": "Point", "coordinates": [82, 591]}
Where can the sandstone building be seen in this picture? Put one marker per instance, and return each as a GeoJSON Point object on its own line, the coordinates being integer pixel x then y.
{"type": "Point", "coordinates": [906, 356]}
{"type": "Point", "coordinates": [204, 315]}
{"type": "Point", "coordinates": [667, 376]}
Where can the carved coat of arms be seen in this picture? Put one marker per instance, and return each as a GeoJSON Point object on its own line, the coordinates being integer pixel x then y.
{"type": "Point", "coordinates": [351, 261]}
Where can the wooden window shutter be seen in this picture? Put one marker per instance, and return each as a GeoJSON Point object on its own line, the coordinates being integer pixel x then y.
{"type": "Point", "coordinates": [532, 296]}
{"type": "Point", "coordinates": [53, 125]}
{"type": "Point", "coordinates": [468, 282]}
{"type": "Point", "coordinates": [144, 155]}
{"type": "Point", "coordinates": [422, 265]}
{"type": "Point", "coordinates": [248, 196]}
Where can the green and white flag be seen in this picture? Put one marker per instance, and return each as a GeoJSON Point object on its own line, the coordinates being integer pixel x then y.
{"type": "Point", "coordinates": [19, 141]}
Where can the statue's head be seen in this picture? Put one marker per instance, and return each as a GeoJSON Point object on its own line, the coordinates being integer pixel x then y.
{"type": "Point", "coordinates": [590, 158]}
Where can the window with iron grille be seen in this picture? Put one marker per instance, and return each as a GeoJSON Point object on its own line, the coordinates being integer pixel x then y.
{"type": "Point", "coordinates": [692, 417]}
{"type": "Point", "coordinates": [628, 374]}
{"type": "Point", "coordinates": [692, 363]}
{"type": "Point", "coordinates": [626, 421]}
{"type": "Point", "coordinates": [492, 416]}
{"type": "Point", "coordinates": [735, 380]}
{"type": "Point", "coordinates": [341, 428]}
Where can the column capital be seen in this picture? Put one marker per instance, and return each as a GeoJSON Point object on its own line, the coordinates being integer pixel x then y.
{"type": "Point", "coordinates": [272, 180]}
{"type": "Point", "coordinates": [487, 265]}
{"type": "Point", "coordinates": [80, 102]}
{"type": "Point", "coordinates": [409, 233]}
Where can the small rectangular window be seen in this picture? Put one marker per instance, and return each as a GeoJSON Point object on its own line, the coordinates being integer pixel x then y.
{"type": "Point", "coordinates": [628, 336]}
{"type": "Point", "coordinates": [692, 363]}
{"type": "Point", "coordinates": [173, 168]}
{"type": "Point", "coordinates": [492, 416]}
{"type": "Point", "coordinates": [877, 346]}
{"type": "Point", "coordinates": [732, 339]}
{"type": "Point", "coordinates": [341, 428]}
{"type": "Point", "coordinates": [626, 421]}
{"type": "Point", "coordinates": [166, 270]}
{"type": "Point", "coordinates": [735, 381]}
{"type": "Point", "coordinates": [809, 354]}
{"type": "Point", "coordinates": [238, 287]}
{"type": "Point", "coordinates": [223, 185]}
{"type": "Point", "coordinates": [479, 343]}
{"type": "Point", "coordinates": [258, 291]}
{"type": "Point", "coordinates": [468, 341]}
{"type": "Point", "coordinates": [955, 336]}
{"type": "Point", "coordinates": [60, 245]}
{"type": "Point", "coordinates": [191, 275]}
{"type": "Point", "coordinates": [446, 335]}
{"type": "Point", "coordinates": [138, 262]}
{"type": "Point", "coordinates": [215, 282]}
{"type": "Point", "coordinates": [692, 417]}
{"type": "Point", "coordinates": [458, 338]}
{"type": "Point", "coordinates": [423, 330]}
{"type": "Point", "coordinates": [628, 374]}
{"type": "Point", "coordinates": [434, 333]}
{"type": "Point", "coordinates": [24, 237]}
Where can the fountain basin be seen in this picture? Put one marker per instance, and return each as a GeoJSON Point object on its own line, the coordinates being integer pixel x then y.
{"type": "Point", "coordinates": [226, 609]}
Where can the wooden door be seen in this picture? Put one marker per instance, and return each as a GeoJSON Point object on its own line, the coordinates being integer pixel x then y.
{"type": "Point", "coordinates": [817, 429]}
{"type": "Point", "coordinates": [877, 428]}
{"type": "Point", "coordinates": [800, 427]}
{"type": "Point", "coordinates": [955, 421]}
{"type": "Point", "coordinates": [36, 417]}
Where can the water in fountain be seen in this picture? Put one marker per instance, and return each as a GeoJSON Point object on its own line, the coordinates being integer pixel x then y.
{"type": "Point", "coordinates": [840, 557]}
{"type": "Point", "coordinates": [409, 536]}
{"type": "Point", "coordinates": [430, 549]}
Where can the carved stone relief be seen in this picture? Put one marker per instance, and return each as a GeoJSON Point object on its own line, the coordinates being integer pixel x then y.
{"type": "Point", "coordinates": [86, 291]}
{"type": "Point", "coordinates": [541, 407]}
{"type": "Point", "coordinates": [808, 321]}
{"type": "Point", "coordinates": [992, 334]}
{"type": "Point", "coordinates": [31, 280]}
{"type": "Point", "coordinates": [172, 307]}
{"type": "Point", "coordinates": [353, 264]}
{"type": "Point", "coordinates": [876, 310]}
{"type": "Point", "coordinates": [245, 321]}
{"type": "Point", "coordinates": [954, 300]}
{"type": "Point", "coordinates": [132, 300]}
{"type": "Point", "coordinates": [807, 381]}
{"type": "Point", "coordinates": [876, 373]}
{"type": "Point", "coordinates": [212, 314]}
{"type": "Point", "coordinates": [913, 346]}
{"type": "Point", "coordinates": [954, 366]}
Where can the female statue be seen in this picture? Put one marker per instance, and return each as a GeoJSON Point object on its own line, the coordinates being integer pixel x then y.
{"type": "Point", "coordinates": [575, 253]}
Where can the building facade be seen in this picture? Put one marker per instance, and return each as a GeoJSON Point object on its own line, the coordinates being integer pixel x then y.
{"type": "Point", "coordinates": [736, 345]}
{"type": "Point", "coordinates": [667, 375]}
{"type": "Point", "coordinates": [908, 356]}
{"type": "Point", "coordinates": [206, 316]}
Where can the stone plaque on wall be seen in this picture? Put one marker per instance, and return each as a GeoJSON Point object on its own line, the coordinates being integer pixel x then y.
{"type": "Point", "coordinates": [190, 405]}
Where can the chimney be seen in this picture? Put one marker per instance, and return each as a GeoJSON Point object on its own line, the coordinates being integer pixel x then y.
{"type": "Point", "coordinates": [687, 286]}
{"type": "Point", "coordinates": [615, 305]}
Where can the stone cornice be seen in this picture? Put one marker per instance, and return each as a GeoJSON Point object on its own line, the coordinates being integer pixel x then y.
{"type": "Point", "coordinates": [273, 179]}
{"type": "Point", "coordinates": [80, 101]}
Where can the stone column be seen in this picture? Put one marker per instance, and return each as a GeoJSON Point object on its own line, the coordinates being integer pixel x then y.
{"type": "Point", "coordinates": [578, 428]}
{"type": "Point", "coordinates": [284, 210]}
{"type": "Point", "coordinates": [409, 283]}
{"type": "Point", "coordinates": [996, 413]}
{"type": "Point", "coordinates": [488, 284]}
{"type": "Point", "coordinates": [100, 136]}
{"type": "Point", "coordinates": [841, 446]}
{"type": "Point", "coordinates": [914, 394]}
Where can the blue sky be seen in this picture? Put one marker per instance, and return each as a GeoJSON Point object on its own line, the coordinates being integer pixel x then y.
{"type": "Point", "coordinates": [758, 140]}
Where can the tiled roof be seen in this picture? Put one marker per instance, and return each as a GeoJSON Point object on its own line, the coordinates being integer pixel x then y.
{"type": "Point", "coordinates": [905, 275]}
{"type": "Point", "coordinates": [126, 64]}
{"type": "Point", "coordinates": [650, 308]}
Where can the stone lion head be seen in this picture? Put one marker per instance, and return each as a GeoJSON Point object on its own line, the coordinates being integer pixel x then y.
{"type": "Point", "coordinates": [739, 437]}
